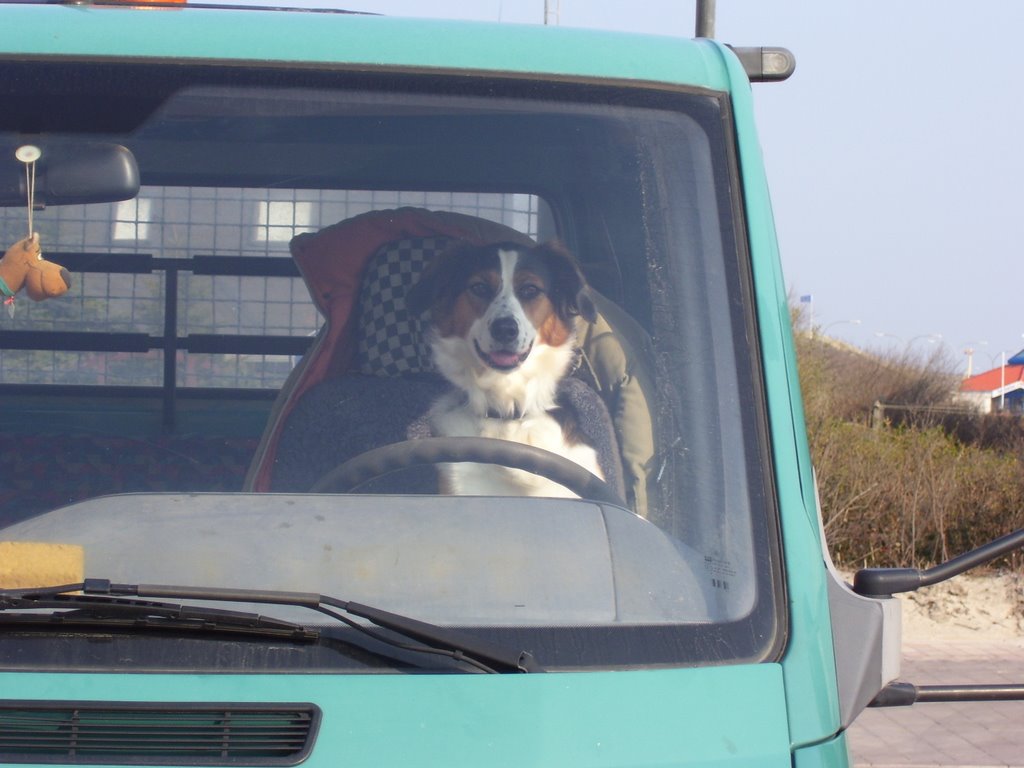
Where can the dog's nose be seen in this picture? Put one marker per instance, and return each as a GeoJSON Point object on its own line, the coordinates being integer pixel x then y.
{"type": "Point", "coordinates": [504, 329]}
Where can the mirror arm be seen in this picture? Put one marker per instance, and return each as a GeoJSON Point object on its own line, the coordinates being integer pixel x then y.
{"type": "Point", "coordinates": [885, 582]}
{"type": "Point", "coordinates": [906, 694]}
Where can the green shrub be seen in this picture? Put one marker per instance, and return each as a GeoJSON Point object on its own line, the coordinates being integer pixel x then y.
{"type": "Point", "coordinates": [911, 497]}
{"type": "Point", "coordinates": [912, 494]}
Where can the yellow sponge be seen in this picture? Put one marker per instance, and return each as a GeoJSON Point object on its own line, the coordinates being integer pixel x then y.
{"type": "Point", "coordinates": [28, 564]}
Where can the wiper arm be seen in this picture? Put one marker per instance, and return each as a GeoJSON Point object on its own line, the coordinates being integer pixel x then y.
{"type": "Point", "coordinates": [108, 611]}
{"type": "Point", "coordinates": [434, 639]}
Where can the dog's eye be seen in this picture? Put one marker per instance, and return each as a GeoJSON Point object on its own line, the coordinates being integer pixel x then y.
{"type": "Point", "coordinates": [481, 290]}
{"type": "Point", "coordinates": [529, 292]}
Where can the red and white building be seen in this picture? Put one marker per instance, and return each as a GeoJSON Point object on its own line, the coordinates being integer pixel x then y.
{"type": "Point", "coordinates": [1000, 389]}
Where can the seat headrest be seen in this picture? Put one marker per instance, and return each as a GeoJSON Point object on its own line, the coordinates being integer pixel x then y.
{"type": "Point", "coordinates": [389, 337]}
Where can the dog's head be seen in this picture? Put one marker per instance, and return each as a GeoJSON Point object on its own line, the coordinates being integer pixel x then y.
{"type": "Point", "coordinates": [504, 300]}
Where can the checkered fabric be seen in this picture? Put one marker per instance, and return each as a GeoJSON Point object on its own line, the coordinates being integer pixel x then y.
{"type": "Point", "coordinates": [390, 339]}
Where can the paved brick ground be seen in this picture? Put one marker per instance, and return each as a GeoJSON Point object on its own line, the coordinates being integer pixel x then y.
{"type": "Point", "coordinates": [971, 734]}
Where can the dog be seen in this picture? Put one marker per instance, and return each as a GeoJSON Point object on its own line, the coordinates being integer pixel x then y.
{"type": "Point", "coordinates": [502, 327]}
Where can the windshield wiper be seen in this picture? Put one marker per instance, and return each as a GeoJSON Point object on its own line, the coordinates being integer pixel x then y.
{"type": "Point", "coordinates": [83, 610]}
{"type": "Point", "coordinates": [430, 638]}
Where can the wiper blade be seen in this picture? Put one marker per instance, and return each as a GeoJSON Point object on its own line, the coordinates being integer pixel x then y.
{"type": "Point", "coordinates": [78, 610]}
{"type": "Point", "coordinates": [430, 637]}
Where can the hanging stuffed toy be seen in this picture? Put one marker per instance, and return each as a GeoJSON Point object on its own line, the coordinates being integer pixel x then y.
{"type": "Point", "coordinates": [24, 266]}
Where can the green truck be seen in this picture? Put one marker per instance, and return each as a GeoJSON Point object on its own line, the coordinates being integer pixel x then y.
{"type": "Point", "coordinates": [222, 536]}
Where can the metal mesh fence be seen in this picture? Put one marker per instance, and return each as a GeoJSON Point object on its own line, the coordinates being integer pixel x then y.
{"type": "Point", "coordinates": [178, 223]}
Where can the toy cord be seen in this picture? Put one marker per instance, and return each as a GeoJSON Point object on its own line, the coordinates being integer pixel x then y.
{"type": "Point", "coordinates": [28, 154]}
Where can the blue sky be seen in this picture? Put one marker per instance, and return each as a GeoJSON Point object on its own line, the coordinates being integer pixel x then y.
{"type": "Point", "coordinates": [894, 154]}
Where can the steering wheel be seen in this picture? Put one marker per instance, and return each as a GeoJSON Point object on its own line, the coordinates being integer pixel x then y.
{"type": "Point", "coordinates": [377, 462]}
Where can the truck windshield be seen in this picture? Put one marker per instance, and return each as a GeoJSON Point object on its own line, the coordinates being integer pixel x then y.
{"type": "Point", "coordinates": [305, 272]}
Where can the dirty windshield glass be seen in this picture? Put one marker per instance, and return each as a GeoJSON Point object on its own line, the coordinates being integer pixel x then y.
{"type": "Point", "coordinates": [474, 352]}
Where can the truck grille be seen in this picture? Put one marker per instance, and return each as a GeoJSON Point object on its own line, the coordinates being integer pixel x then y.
{"type": "Point", "coordinates": [157, 734]}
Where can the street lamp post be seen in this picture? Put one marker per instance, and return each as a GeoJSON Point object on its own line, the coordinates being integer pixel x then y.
{"type": "Point", "coordinates": [839, 322]}
{"type": "Point", "coordinates": [886, 334]}
{"type": "Point", "coordinates": [931, 337]}
{"type": "Point", "coordinates": [969, 351]}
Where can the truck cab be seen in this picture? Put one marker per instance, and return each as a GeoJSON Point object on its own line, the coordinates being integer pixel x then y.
{"type": "Point", "coordinates": [222, 537]}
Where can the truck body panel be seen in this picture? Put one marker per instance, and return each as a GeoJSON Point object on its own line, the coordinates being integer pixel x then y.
{"type": "Point", "coordinates": [640, 153]}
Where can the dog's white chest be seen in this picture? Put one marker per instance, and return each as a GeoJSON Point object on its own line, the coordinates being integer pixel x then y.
{"type": "Point", "coordinates": [541, 431]}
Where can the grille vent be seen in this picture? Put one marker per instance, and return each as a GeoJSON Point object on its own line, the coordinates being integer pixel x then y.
{"type": "Point", "coordinates": [157, 734]}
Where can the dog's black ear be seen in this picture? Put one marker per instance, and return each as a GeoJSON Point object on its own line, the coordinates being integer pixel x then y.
{"type": "Point", "coordinates": [434, 282]}
{"type": "Point", "coordinates": [571, 292]}
{"type": "Point", "coordinates": [420, 297]}
{"type": "Point", "coordinates": [585, 304]}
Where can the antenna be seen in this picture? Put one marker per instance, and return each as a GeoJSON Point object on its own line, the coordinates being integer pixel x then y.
{"type": "Point", "coordinates": [705, 22]}
{"type": "Point", "coordinates": [552, 12]}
